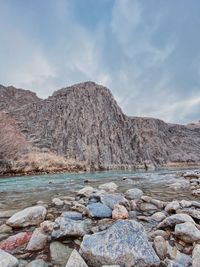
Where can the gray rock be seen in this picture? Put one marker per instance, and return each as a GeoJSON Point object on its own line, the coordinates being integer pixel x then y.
{"type": "Point", "coordinates": [99, 210]}
{"type": "Point", "coordinates": [187, 232]}
{"type": "Point", "coordinates": [29, 216]}
{"type": "Point", "coordinates": [124, 243]}
{"type": "Point", "coordinates": [158, 216]}
{"type": "Point", "coordinates": [59, 253]}
{"type": "Point", "coordinates": [174, 264]}
{"type": "Point", "coordinates": [72, 215]}
{"type": "Point", "coordinates": [70, 228]}
{"type": "Point", "coordinates": [5, 229]}
{"type": "Point", "coordinates": [172, 220]}
{"type": "Point", "coordinates": [37, 263]}
{"type": "Point", "coordinates": [111, 200]}
{"type": "Point", "coordinates": [160, 247]}
{"type": "Point", "coordinates": [7, 260]}
{"type": "Point", "coordinates": [38, 241]}
{"type": "Point", "coordinates": [86, 191]}
{"type": "Point", "coordinates": [134, 193]}
{"type": "Point", "coordinates": [110, 187]}
{"type": "Point", "coordinates": [196, 256]}
{"type": "Point", "coordinates": [75, 260]}
{"type": "Point", "coordinates": [172, 206]}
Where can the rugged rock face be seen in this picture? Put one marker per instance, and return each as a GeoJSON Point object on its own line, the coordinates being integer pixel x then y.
{"type": "Point", "coordinates": [12, 98]}
{"type": "Point", "coordinates": [84, 122]}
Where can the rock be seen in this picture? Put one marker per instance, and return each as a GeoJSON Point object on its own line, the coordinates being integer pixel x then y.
{"type": "Point", "coordinates": [147, 207]}
{"type": "Point", "coordinates": [7, 260]}
{"type": "Point", "coordinates": [174, 264]}
{"type": "Point", "coordinates": [191, 175]}
{"type": "Point", "coordinates": [38, 241]}
{"type": "Point", "coordinates": [119, 212]}
{"type": "Point", "coordinates": [37, 263]}
{"type": "Point", "coordinates": [180, 185]}
{"type": "Point", "coordinates": [194, 213]}
{"type": "Point", "coordinates": [187, 232]}
{"type": "Point", "coordinates": [59, 253]}
{"type": "Point", "coordinates": [79, 208]}
{"type": "Point", "coordinates": [132, 214]}
{"type": "Point", "coordinates": [172, 206]}
{"type": "Point", "coordinates": [72, 215]}
{"type": "Point", "coordinates": [7, 213]}
{"type": "Point", "coordinates": [110, 187]}
{"type": "Point", "coordinates": [162, 233]}
{"type": "Point", "coordinates": [5, 229]}
{"type": "Point", "coordinates": [158, 216]}
{"type": "Point", "coordinates": [183, 259]}
{"type": "Point", "coordinates": [75, 260]}
{"type": "Point", "coordinates": [99, 210]}
{"type": "Point", "coordinates": [70, 228]}
{"type": "Point", "coordinates": [15, 242]}
{"type": "Point", "coordinates": [29, 216]}
{"type": "Point", "coordinates": [47, 226]}
{"type": "Point", "coordinates": [57, 202]}
{"type": "Point", "coordinates": [111, 200]}
{"type": "Point", "coordinates": [160, 247]}
{"type": "Point", "coordinates": [196, 256]}
{"type": "Point", "coordinates": [172, 220]}
{"type": "Point", "coordinates": [124, 243]}
{"type": "Point", "coordinates": [86, 191]}
{"type": "Point", "coordinates": [133, 193]}
{"type": "Point", "coordinates": [196, 192]}
{"type": "Point", "coordinates": [185, 203]}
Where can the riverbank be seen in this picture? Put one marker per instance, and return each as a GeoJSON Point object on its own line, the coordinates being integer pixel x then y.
{"type": "Point", "coordinates": [96, 226]}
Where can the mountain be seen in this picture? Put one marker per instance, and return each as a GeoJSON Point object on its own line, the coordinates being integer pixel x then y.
{"type": "Point", "coordinates": [83, 122]}
{"type": "Point", "coordinates": [12, 98]}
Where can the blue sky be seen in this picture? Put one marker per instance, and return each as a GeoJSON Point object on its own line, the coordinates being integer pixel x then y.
{"type": "Point", "coordinates": [146, 51]}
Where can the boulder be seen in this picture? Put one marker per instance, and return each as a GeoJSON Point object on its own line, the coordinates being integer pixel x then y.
{"type": "Point", "coordinates": [75, 260]}
{"type": "Point", "coordinates": [73, 215]}
{"type": "Point", "coordinates": [86, 191]}
{"type": "Point", "coordinates": [7, 260]}
{"type": "Point", "coordinates": [172, 220]}
{"type": "Point", "coordinates": [160, 247]}
{"type": "Point", "coordinates": [70, 228]}
{"type": "Point", "coordinates": [196, 256]}
{"type": "Point", "coordinates": [124, 243]}
{"type": "Point", "coordinates": [38, 241]}
{"type": "Point", "coordinates": [133, 193]}
{"type": "Point", "coordinates": [187, 232]}
{"type": "Point", "coordinates": [37, 263]}
{"type": "Point", "coordinates": [59, 253]}
{"type": "Point", "coordinates": [15, 242]}
{"type": "Point", "coordinates": [99, 210]}
{"type": "Point", "coordinates": [109, 187]}
{"type": "Point", "coordinates": [119, 212]}
{"type": "Point", "coordinates": [29, 216]}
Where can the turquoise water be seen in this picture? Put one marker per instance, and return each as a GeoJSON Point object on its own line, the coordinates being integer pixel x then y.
{"type": "Point", "coordinates": [19, 192]}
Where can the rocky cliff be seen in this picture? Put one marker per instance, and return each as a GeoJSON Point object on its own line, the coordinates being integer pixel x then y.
{"type": "Point", "coordinates": [84, 122]}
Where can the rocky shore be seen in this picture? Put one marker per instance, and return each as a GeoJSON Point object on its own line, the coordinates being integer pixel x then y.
{"type": "Point", "coordinates": [101, 226]}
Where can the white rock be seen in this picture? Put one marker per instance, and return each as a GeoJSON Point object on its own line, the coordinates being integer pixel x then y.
{"type": "Point", "coordinates": [75, 260]}
{"type": "Point", "coordinates": [110, 187]}
{"type": "Point", "coordinates": [38, 241]}
{"type": "Point", "coordinates": [187, 232]}
{"type": "Point", "coordinates": [134, 193]}
{"type": "Point", "coordinates": [7, 260]}
{"type": "Point", "coordinates": [29, 216]}
{"type": "Point", "coordinates": [57, 202]}
{"type": "Point", "coordinates": [86, 191]}
{"type": "Point", "coordinates": [158, 216]}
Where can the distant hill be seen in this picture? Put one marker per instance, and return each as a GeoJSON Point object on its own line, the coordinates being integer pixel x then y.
{"type": "Point", "coordinates": [83, 122]}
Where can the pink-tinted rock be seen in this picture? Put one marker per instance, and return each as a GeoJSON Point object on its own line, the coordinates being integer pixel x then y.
{"type": "Point", "coordinates": [119, 212]}
{"type": "Point", "coordinates": [15, 242]}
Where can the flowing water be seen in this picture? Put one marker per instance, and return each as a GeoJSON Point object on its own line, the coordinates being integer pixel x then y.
{"type": "Point", "coordinates": [20, 192]}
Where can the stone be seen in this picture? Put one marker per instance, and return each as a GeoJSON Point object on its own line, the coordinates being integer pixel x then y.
{"type": "Point", "coordinates": [111, 200]}
{"type": "Point", "coordinates": [29, 216]}
{"type": "Point", "coordinates": [99, 210]}
{"type": "Point", "coordinates": [109, 187]}
{"type": "Point", "coordinates": [7, 260]}
{"type": "Point", "coordinates": [187, 232]}
{"type": "Point", "coordinates": [185, 203]}
{"type": "Point", "coordinates": [72, 215]}
{"type": "Point", "coordinates": [5, 229]}
{"type": "Point", "coordinates": [65, 227]}
{"type": "Point", "coordinates": [155, 233]}
{"type": "Point", "coordinates": [59, 253]}
{"type": "Point", "coordinates": [57, 202]}
{"type": "Point", "coordinates": [158, 216]}
{"type": "Point", "coordinates": [180, 185]}
{"type": "Point", "coordinates": [196, 256]}
{"type": "Point", "coordinates": [47, 226]}
{"type": "Point", "coordinates": [133, 193]}
{"type": "Point", "coordinates": [172, 206]}
{"type": "Point", "coordinates": [158, 203]}
{"type": "Point", "coordinates": [37, 263]}
{"type": "Point", "coordinates": [183, 259]}
{"type": "Point", "coordinates": [38, 241]}
{"type": "Point", "coordinates": [147, 207]}
{"type": "Point", "coordinates": [124, 243]}
{"type": "Point", "coordinates": [119, 212]}
{"type": "Point", "coordinates": [86, 191]}
{"type": "Point", "coordinates": [160, 247]}
{"type": "Point", "coordinates": [75, 260]}
{"type": "Point", "coordinates": [174, 264]}
{"type": "Point", "coordinates": [15, 242]}
{"type": "Point", "coordinates": [174, 219]}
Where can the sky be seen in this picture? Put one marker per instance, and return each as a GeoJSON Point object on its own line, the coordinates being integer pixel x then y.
{"type": "Point", "coordinates": [147, 52]}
